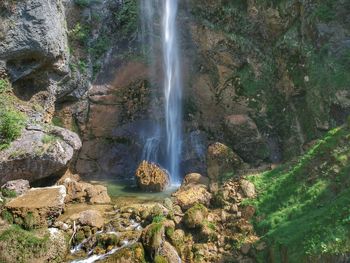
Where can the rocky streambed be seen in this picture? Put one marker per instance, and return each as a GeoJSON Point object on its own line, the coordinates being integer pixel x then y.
{"type": "Point", "coordinates": [195, 223]}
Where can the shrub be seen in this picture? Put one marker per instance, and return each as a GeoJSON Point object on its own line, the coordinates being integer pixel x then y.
{"type": "Point", "coordinates": [11, 124]}
{"type": "Point", "coordinates": [8, 193]}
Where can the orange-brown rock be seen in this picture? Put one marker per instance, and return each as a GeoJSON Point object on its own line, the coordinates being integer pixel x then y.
{"type": "Point", "coordinates": [79, 191]}
{"type": "Point", "coordinates": [151, 177]}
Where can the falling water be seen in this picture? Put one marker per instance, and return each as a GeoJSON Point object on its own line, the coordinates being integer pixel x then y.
{"type": "Point", "coordinates": [172, 88]}
{"type": "Point", "coordinates": [151, 10]}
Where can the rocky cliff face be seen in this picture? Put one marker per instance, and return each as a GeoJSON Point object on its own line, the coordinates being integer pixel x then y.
{"type": "Point", "coordinates": [265, 78]}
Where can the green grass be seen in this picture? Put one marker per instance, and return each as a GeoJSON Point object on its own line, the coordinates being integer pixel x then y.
{"type": "Point", "coordinates": [21, 245]}
{"type": "Point", "coordinates": [48, 139]}
{"type": "Point", "coordinates": [303, 209]}
{"type": "Point", "coordinates": [11, 124]}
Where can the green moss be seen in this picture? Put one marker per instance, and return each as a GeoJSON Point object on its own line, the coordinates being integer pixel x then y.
{"type": "Point", "coordinates": [158, 219]}
{"type": "Point", "coordinates": [304, 207]}
{"type": "Point", "coordinates": [57, 121]}
{"type": "Point", "coordinates": [160, 259]}
{"type": "Point", "coordinates": [7, 216]}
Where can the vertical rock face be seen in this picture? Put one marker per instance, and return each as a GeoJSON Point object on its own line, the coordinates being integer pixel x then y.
{"type": "Point", "coordinates": [34, 49]}
{"type": "Point", "coordinates": [34, 39]}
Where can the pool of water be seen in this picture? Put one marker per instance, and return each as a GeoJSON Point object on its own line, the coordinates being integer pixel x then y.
{"type": "Point", "coordinates": [128, 190]}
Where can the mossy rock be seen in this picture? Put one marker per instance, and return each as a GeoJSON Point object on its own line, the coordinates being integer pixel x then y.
{"type": "Point", "coordinates": [160, 259]}
{"type": "Point", "coordinates": [132, 254]}
{"type": "Point", "coordinates": [195, 216]}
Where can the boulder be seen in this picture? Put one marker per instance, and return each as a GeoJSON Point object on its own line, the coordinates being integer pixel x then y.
{"type": "Point", "coordinates": [169, 253]}
{"type": "Point", "coordinates": [39, 153]}
{"type": "Point", "coordinates": [245, 138]}
{"type": "Point", "coordinates": [78, 191]}
{"type": "Point", "coordinates": [39, 205]}
{"type": "Point", "coordinates": [221, 160]}
{"type": "Point", "coordinates": [195, 178]}
{"type": "Point", "coordinates": [152, 178]}
{"type": "Point", "coordinates": [248, 188]}
{"type": "Point", "coordinates": [153, 238]}
{"type": "Point", "coordinates": [92, 218]}
{"type": "Point", "coordinates": [189, 195]}
{"type": "Point", "coordinates": [18, 186]}
{"type": "Point", "coordinates": [195, 216]}
{"type": "Point", "coordinates": [131, 254]}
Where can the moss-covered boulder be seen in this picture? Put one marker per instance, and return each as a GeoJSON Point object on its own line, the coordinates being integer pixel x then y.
{"type": "Point", "coordinates": [132, 254]}
{"type": "Point", "coordinates": [195, 216]}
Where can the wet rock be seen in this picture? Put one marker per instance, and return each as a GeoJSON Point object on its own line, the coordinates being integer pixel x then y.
{"type": "Point", "coordinates": [245, 138]}
{"type": "Point", "coordinates": [195, 216]}
{"type": "Point", "coordinates": [39, 153]}
{"type": "Point", "coordinates": [38, 206]}
{"type": "Point", "coordinates": [248, 188]}
{"type": "Point", "coordinates": [151, 178]}
{"type": "Point", "coordinates": [18, 186]}
{"type": "Point", "coordinates": [189, 195]}
{"type": "Point", "coordinates": [221, 160]}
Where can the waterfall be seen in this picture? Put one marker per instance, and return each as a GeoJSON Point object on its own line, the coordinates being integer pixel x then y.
{"type": "Point", "coordinates": [166, 11]}
{"type": "Point", "coordinates": [172, 89]}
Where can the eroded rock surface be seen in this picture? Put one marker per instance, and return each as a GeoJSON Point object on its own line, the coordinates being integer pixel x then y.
{"type": "Point", "coordinates": [40, 206]}
{"type": "Point", "coordinates": [40, 152]}
{"type": "Point", "coordinates": [151, 177]}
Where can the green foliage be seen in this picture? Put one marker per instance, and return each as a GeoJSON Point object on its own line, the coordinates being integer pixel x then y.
{"type": "Point", "coordinates": [11, 124]}
{"type": "Point", "coordinates": [8, 193]}
{"type": "Point", "coordinates": [80, 33]}
{"type": "Point", "coordinates": [85, 3]}
{"type": "Point", "coordinates": [57, 121]}
{"type": "Point", "coordinates": [304, 207]}
{"type": "Point", "coordinates": [7, 216]}
{"type": "Point", "coordinates": [158, 219]}
{"type": "Point", "coordinates": [127, 18]}
{"type": "Point", "coordinates": [325, 11]}
{"type": "Point", "coordinates": [5, 85]}
{"type": "Point", "coordinates": [99, 46]}
{"type": "Point", "coordinates": [21, 245]}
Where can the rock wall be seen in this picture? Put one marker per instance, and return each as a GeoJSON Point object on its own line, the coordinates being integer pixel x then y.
{"type": "Point", "coordinates": [265, 78]}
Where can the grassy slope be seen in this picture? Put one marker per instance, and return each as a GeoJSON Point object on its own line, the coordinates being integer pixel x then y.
{"type": "Point", "coordinates": [303, 210]}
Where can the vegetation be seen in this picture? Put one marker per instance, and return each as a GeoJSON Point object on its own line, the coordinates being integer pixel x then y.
{"type": "Point", "coordinates": [8, 193]}
{"type": "Point", "coordinates": [303, 209]}
{"type": "Point", "coordinates": [85, 3]}
{"type": "Point", "coordinates": [21, 245]}
{"type": "Point", "coordinates": [49, 138]}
